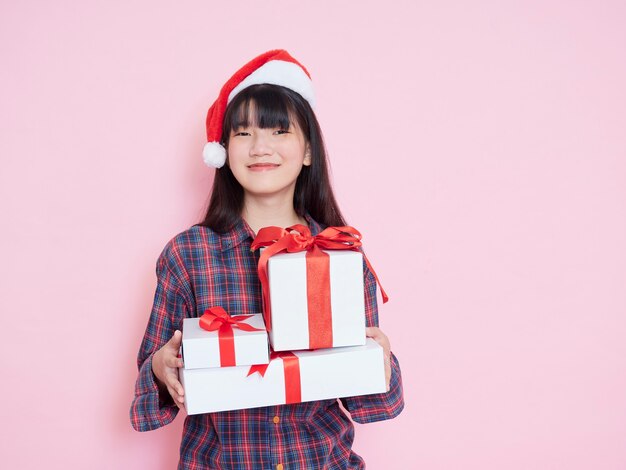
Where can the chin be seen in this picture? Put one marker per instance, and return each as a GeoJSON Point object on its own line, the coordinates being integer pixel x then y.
{"type": "Point", "coordinates": [268, 191]}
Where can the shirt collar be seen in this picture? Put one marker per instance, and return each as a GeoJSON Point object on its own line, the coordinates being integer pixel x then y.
{"type": "Point", "coordinates": [242, 231]}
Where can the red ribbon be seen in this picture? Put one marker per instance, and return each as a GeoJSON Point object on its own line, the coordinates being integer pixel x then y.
{"type": "Point", "coordinates": [299, 238]}
{"type": "Point", "coordinates": [216, 318]}
{"type": "Point", "coordinates": [291, 371]}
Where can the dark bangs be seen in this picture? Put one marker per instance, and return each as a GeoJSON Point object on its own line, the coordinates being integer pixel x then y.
{"type": "Point", "coordinates": [272, 107]}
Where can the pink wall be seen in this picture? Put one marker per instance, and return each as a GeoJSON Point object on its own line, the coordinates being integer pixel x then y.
{"type": "Point", "coordinates": [479, 146]}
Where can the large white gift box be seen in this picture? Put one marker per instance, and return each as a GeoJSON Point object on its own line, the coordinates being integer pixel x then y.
{"type": "Point", "coordinates": [289, 322]}
{"type": "Point", "coordinates": [323, 374]}
{"type": "Point", "coordinates": [201, 348]}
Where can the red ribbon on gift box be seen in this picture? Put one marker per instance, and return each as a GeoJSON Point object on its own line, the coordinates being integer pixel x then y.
{"type": "Point", "coordinates": [216, 318]}
{"type": "Point", "coordinates": [299, 238]}
{"type": "Point", "coordinates": [291, 370]}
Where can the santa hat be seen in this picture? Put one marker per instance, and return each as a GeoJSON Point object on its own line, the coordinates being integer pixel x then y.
{"type": "Point", "coordinates": [276, 67]}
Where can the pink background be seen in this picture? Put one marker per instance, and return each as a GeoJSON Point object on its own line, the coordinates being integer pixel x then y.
{"type": "Point", "coordinates": [479, 146]}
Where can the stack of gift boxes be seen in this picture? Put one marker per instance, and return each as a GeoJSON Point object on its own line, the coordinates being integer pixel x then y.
{"type": "Point", "coordinates": [313, 318]}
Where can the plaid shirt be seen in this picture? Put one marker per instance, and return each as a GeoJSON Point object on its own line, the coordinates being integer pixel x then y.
{"type": "Point", "coordinates": [199, 269]}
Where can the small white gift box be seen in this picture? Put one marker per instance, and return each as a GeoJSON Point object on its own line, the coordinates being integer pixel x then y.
{"type": "Point", "coordinates": [202, 348]}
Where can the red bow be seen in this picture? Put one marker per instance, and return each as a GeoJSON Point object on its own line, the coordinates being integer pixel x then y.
{"type": "Point", "coordinates": [299, 238]}
{"type": "Point", "coordinates": [291, 371]}
{"type": "Point", "coordinates": [216, 318]}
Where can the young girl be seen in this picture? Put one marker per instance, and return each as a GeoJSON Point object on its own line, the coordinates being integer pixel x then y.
{"type": "Point", "coordinates": [266, 144]}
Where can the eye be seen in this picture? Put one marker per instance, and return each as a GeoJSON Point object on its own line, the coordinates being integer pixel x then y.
{"type": "Point", "coordinates": [281, 131]}
{"type": "Point", "coordinates": [242, 133]}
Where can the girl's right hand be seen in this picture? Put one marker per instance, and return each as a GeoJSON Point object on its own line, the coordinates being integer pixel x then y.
{"type": "Point", "coordinates": [165, 364]}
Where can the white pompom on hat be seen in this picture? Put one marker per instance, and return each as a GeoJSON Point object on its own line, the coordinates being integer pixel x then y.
{"type": "Point", "coordinates": [276, 67]}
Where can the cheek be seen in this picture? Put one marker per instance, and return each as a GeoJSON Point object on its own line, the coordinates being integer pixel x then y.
{"type": "Point", "coordinates": [294, 152]}
{"type": "Point", "coordinates": [235, 153]}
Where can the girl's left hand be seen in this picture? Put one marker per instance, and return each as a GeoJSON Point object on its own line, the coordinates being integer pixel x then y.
{"type": "Point", "coordinates": [381, 338]}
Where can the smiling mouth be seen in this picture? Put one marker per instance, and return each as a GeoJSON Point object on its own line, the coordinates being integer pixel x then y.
{"type": "Point", "coordinates": [263, 166]}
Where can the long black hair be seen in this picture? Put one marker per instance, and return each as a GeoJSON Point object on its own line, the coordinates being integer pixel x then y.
{"type": "Point", "coordinates": [274, 107]}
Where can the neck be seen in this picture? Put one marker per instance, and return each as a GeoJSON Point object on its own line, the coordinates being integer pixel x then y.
{"type": "Point", "coordinates": [264, 212]}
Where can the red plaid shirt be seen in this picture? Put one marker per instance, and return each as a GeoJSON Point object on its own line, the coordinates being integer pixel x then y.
{"type": "Point", "coordinates": [199, 269]}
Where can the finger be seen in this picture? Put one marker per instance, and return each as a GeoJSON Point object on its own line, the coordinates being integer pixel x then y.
{"type": "Point", "coordinates": [388, 370]}
{"type": "Point", "coordinates": [385, 345]}
{"type": "Point", "coordinates": [178, 399]}
{"type": "Point", "coordinates": [372, 332]}
{"type": "Point", "coordinates": [173, 361]}
{"type": "Point", "coordinates": [380, 338]}
{"type": "Point", "coordinates": [174, 384]}
{"type": "Point", "coordinates": [175, 340]}
{"type": "Point", "coordinates": [376, 334]}
{"type": "Point", "coordinates": [176, 387]}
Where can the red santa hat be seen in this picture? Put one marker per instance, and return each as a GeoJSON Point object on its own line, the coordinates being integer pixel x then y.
{"type": "Point", "coordinates": [276, 67]}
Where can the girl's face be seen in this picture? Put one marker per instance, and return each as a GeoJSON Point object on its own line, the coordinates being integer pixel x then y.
{"type": "Point", "coordinates": [267, 162]}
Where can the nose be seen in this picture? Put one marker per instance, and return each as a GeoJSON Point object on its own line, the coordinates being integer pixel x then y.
{"type": "Point", "coordinates": [260, 144]}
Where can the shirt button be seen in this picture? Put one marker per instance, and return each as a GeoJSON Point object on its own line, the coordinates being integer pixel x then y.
{"type": "Point", "coordinates": [276, 421]}
{"type": "Point", "coordinates": [279, 466]}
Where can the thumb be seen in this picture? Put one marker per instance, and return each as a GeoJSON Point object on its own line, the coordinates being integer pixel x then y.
{"type": "Point", "coordinates": [371, 332]}
{"type": "Point", "coordinates": [175, 340]}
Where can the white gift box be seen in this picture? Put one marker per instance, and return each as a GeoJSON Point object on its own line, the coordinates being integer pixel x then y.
{"type": "Point", "coordinates": [200, 348]}
{"type": "Point", "coordinates": [324, 374]}
{"type": "Point", "coordinates": [288, 299]}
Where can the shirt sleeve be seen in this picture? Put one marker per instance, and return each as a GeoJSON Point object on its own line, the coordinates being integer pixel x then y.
{"type": "Point", "coordinates": [378, 406]}
{"type": "Point", "coordinates": [149, 409]}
